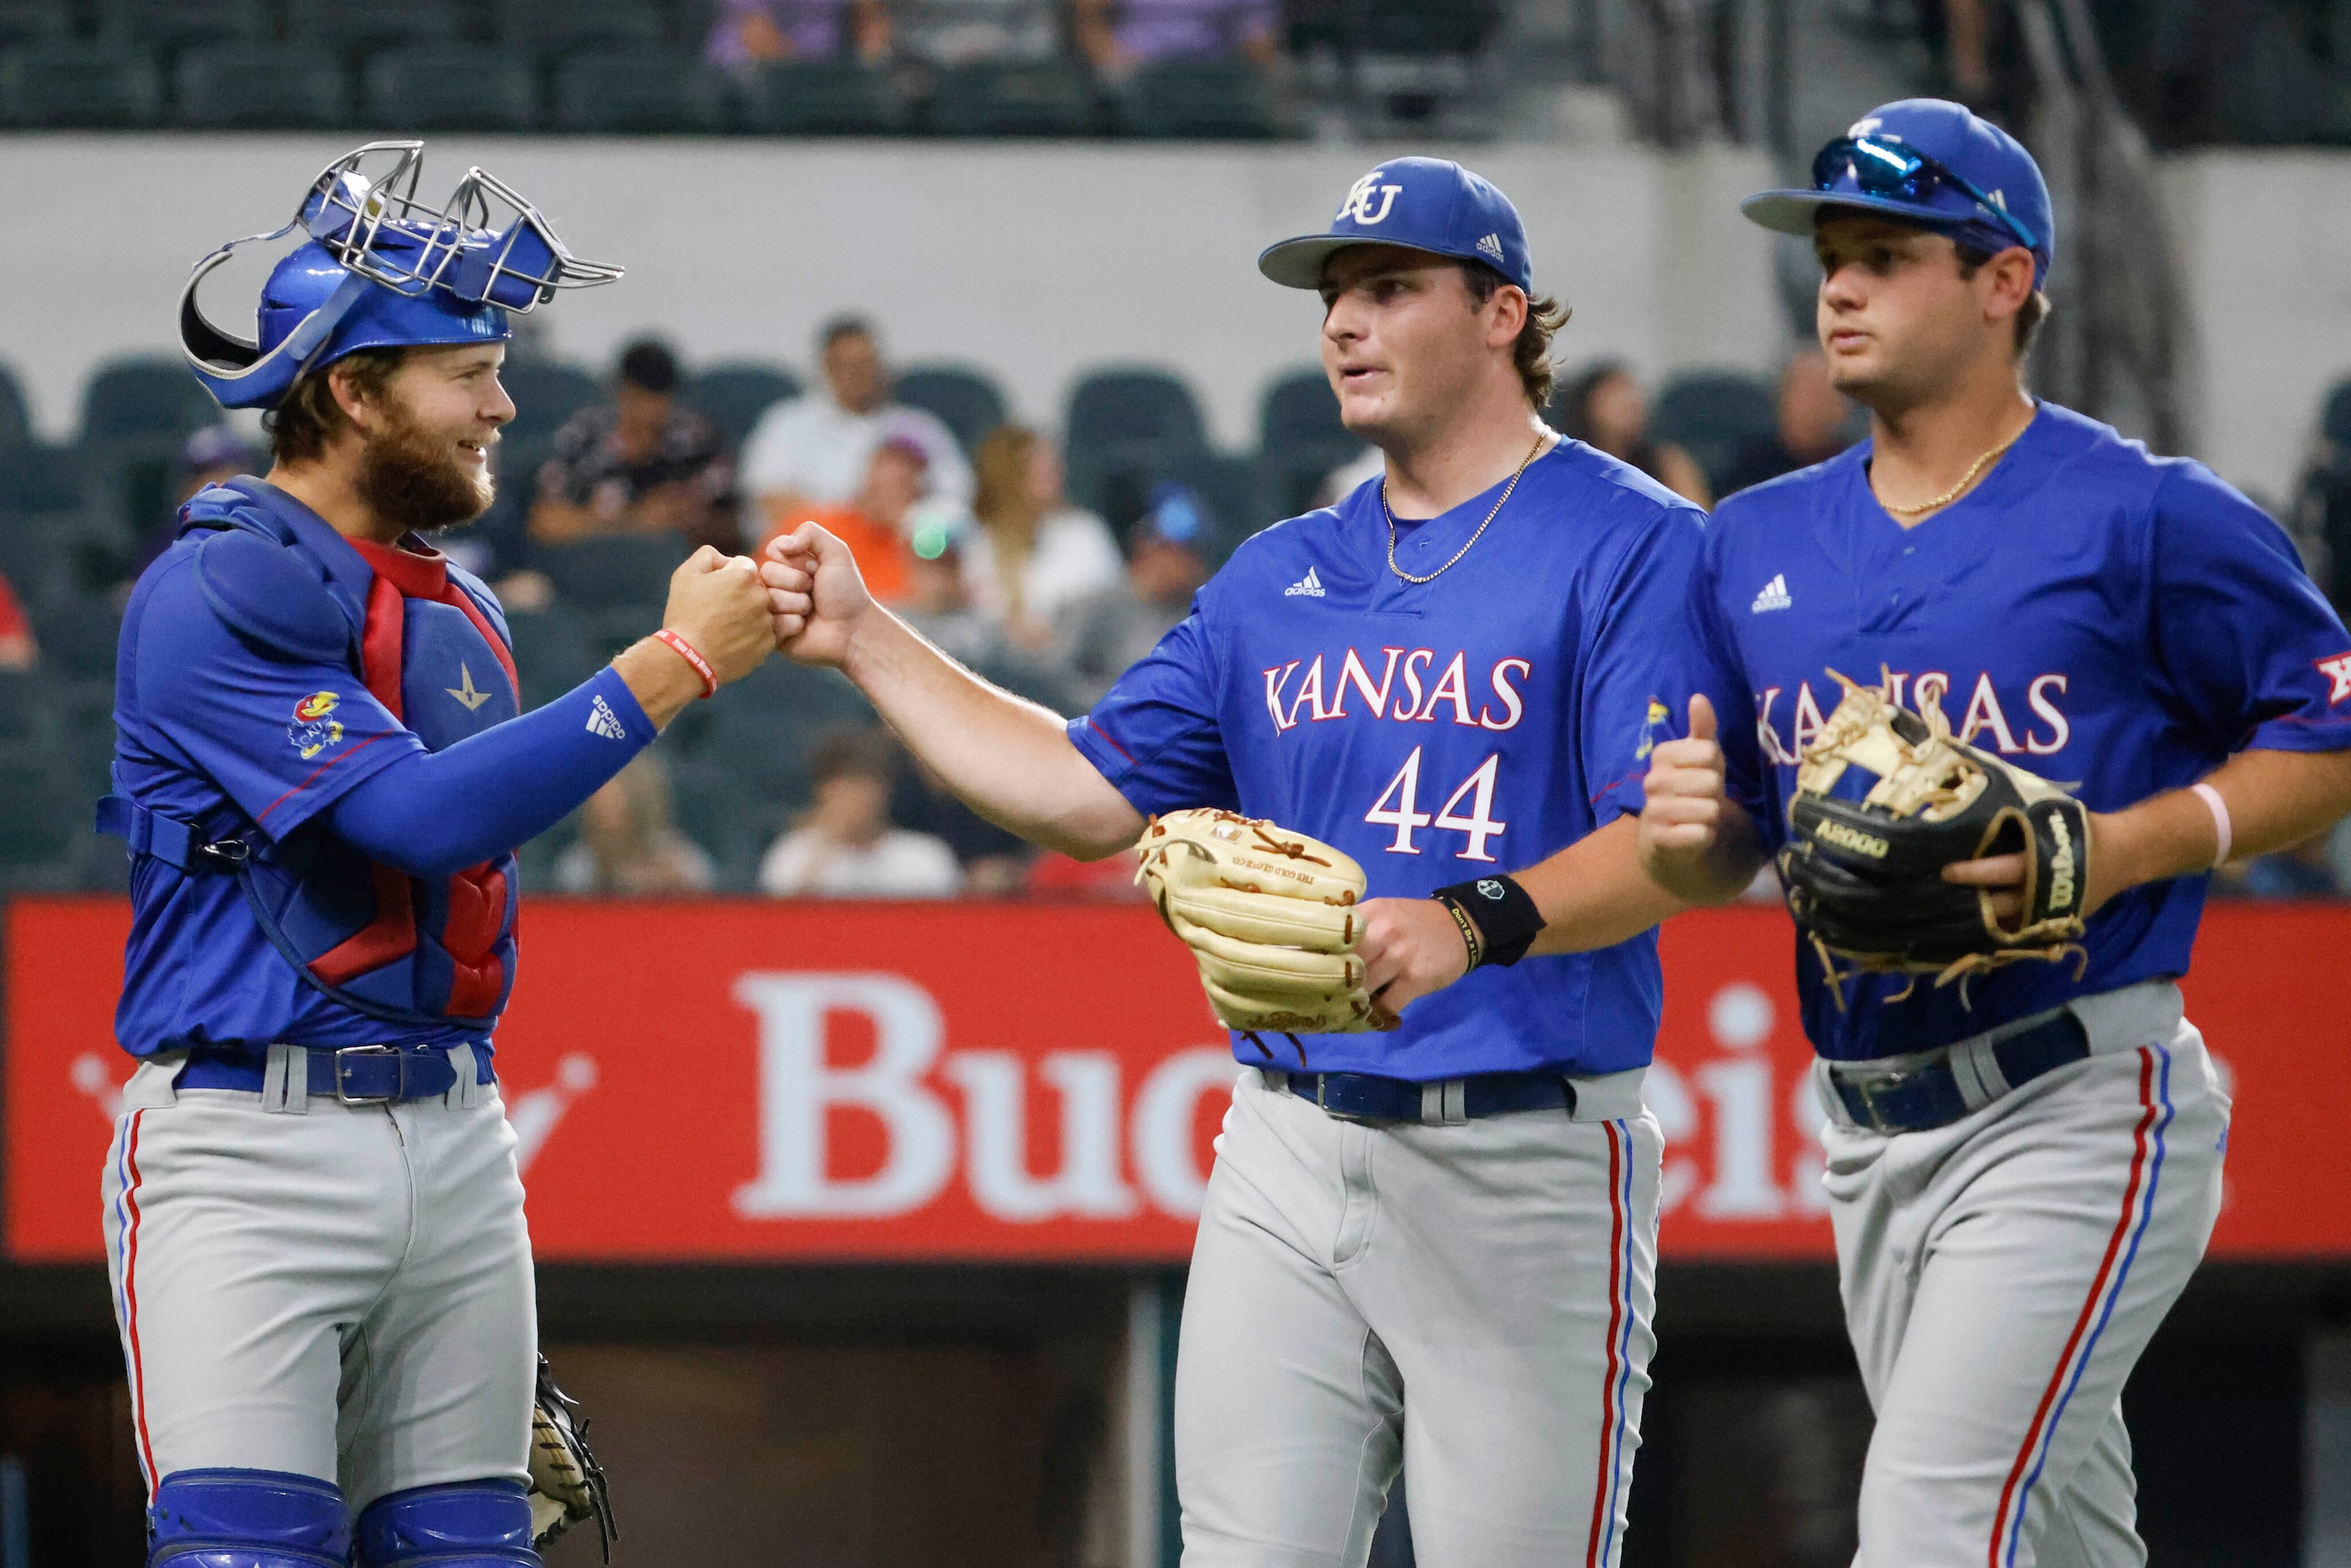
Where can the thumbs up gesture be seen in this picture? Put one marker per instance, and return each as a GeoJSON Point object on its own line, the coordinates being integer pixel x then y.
{"type": "Point", "coordinates": [1683, 817]}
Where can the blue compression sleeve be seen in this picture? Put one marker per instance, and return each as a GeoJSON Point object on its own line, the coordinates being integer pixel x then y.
{"type": "Point", "coordinates": [433, 813]}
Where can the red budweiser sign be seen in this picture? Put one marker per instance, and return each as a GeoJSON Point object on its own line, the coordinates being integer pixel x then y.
{"type": "Point", "coordinates": [838, 1081]}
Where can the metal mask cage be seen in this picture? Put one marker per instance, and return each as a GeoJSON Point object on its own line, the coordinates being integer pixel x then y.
{"type": "Point", "coordinates": [486, 244]}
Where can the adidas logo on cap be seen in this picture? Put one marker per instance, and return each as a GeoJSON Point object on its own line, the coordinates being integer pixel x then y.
{"type": "Point", "coordinates": [1491, 247]}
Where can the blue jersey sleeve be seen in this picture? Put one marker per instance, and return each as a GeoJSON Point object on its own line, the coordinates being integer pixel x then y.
{"type": "Point", "coordinates": [1648, 652]}
{"type": "Point", "coordinates": [2244, 641]}
{"type": "Point", "coordinates": [282, 736]}
{"type": "Point", "coordinates": [1155, 735]}
{"type": "Point", "coordinates": [1745, 764]}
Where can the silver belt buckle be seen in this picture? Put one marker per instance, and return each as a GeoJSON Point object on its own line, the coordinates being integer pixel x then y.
{"type": "Point", "coordinates": [344, 1095]}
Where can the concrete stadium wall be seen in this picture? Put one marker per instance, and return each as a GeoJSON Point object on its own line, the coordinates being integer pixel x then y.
{"type": "Point", "coordinates": [1039, 261]}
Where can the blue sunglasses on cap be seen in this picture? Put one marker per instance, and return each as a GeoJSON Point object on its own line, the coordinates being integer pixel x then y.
{"type": "Point", "coordinates": [1885, 166]}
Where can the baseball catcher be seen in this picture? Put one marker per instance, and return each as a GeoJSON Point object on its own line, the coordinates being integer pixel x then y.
{"type": "Point", "coordinates": [1864, 877]}
{"type": "Point", "coordinates": [1270, 918]}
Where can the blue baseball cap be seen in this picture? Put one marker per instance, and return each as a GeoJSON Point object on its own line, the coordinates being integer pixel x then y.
{"type": "Point", "coordinates": [1421, 204]}
{"type": "Point", "coordinates": [1930, 161]}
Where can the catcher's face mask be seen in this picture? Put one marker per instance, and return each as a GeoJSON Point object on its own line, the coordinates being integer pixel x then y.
{"type": "Point", "coordinates": [382, 269]}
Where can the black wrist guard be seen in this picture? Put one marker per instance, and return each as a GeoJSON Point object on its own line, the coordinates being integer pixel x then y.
{"type": "Point", "coordinates": [1497, 919]}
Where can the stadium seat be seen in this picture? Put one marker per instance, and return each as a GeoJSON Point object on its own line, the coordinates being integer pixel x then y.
{"type": "Point", "coordinates": [16, 421]}
{"type": "Point", "coordinates": [144, 397]}
{"type": "Point", "coordinates": [622, 572]}
{"type": "Point", "coordinates": [77, 634]}
{"type": "Point", "coordinates": [36, 479]}
{"type": "Point", "coordinates": [966, 400]}
{"type": "Point", "coordinates": [42, 832]}
{"type": "Point", "coordinates": [24, 717]}
{"type": "Point", "coordinates": [546, 392]}
{"type": "Point", "coordinates": [1048, 97]}
{"type": "Point", "coordinates": [135, 414]}
{"type": "Point", "coordinates": [261, 87]}
{"type": "Point", "coordinates": [760, 735]}
{"type": "Point", "coordinates": [551, 650]}
{"type": "Point", "coordinates": [1714, 415]}
{"type": "Point", "coordinates": [451, 87]}
{"type": "Point", "coordinates": [1299, 441]}
{"type": "Point", "coordinates": [35, 557]}
{"type": "Point", "coordinates": [1135, 404]}
{"type": "Point", "coordinates": [172, 25]}
{"type": "Point", "coordinates": [732, 826]}
{"type": "Point", "coordinates": [34, 21]}
{"type": "Point", "coordinates": [1200, 99]}
{"type": "Point", "coordinates": [351, 25]}
{"type": "Point", "coordinates": [68, 85]}
{"type": "Point", "coordinates": [820, 98]}
{"type": "Point", "coordinates": [735, 395]}
{"type": "Point", "coordinates": [619, 91]}
{"type": "Point", "coordinates": [558, 27]}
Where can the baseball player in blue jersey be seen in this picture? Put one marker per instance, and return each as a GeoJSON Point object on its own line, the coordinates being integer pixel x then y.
{"type": "Point", "coordinates": [1434, 1246]}
{"type": "Point", "coordinates": [2023, 1166]}
{"type": "Point", "coordinates": [314, 1222]}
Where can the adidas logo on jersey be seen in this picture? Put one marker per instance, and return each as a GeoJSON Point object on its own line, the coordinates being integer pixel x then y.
{"type": "Point", "coordinates": [1307, 587]}
{"type": "Point", "coordinates": [1773, 597]}
{"type": "Point", "coordinates": [604, 721]}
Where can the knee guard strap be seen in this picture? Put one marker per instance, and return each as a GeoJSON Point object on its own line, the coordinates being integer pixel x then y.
{"type": "Point", "coordinates": [246, 1518]}
{"type": "Point", "coordinates": [463, 1524]}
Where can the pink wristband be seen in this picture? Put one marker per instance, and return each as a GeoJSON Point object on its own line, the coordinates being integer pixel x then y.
{"type": "Point", "coordinates": [692, 655]}
{"type": "Point", "coordinates": [2220, 810]}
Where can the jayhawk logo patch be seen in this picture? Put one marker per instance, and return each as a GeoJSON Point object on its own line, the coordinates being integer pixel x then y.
{"type": "Point", "coordinates": [314, 729]}
{"type": "Point", "coordinates": [1658, 714]}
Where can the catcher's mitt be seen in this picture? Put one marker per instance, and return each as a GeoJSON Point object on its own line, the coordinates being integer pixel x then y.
{"type": "Point", "coordinates": [1864, 878]}
{"type": "Point", "coordinates": [567, 1484]}
{"type": "Point", "coordinates": [1270, 918]}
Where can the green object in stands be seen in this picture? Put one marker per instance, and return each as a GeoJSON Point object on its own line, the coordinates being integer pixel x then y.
{"type": "Point", "coordinates": [546, 392]}
{"type": "Point", "coordinates": [563, 25]}
{"type": "Point", "coordinates": [1200, 99]}
{"type": "Point", "coordinates": [48, 818]}
{"type": "Point", "coordinates": [735, 395]}
{"type": "Point", "coordinates": [636, 90]}
{"type": "Point", "coordinates": [69, 85]}
{"type": "Point", "coordinates": [820, 98]}
{"type": "Point", "coordinates": [34, 21]}
{"type": "Point", "coordinates": [172, 25]}
{"type": "Point", "coordinates": [967, 400]}
{"type": "Point", "coordinates": [451, 87]}
{"type": "Point", "coordinates": [1050, 98]}
{"type": "Point", "coordinates": [144, 397]}
{"type": "Point", "coordinates": [260, 86]}
{"type": "Point", "coordinates": [615, 571]}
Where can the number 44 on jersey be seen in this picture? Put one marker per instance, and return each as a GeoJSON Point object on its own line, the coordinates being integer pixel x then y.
{"type": "Point", "coordinates": [1398, 806]}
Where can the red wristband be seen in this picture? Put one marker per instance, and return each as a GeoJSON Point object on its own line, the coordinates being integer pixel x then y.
{"type": "Point", "coordinates": [692, 656]}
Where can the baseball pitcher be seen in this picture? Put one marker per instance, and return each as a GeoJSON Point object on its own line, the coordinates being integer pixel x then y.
{"type": "Point", "coordinates": [314, 1223]}
{"type": "Point", "coordinates": [2017, 687]}
{"type": "Point", "coordinates": [1390, 766]}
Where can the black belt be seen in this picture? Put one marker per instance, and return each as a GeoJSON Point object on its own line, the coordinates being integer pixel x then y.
{"type": "Point", "coordinates": [356, 1075]}
{"type": "Point", "coordinates": [1365, 1097]}
{"type": "Point", "coordinates": [1925, 1092]}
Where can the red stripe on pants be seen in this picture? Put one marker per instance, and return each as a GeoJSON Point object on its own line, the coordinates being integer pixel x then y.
{"type": "Point", "coordinates": [1600, 1489]}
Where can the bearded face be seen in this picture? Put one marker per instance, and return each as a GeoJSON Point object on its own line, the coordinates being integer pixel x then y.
{"type": "Point", "coordinates": [425, 477]}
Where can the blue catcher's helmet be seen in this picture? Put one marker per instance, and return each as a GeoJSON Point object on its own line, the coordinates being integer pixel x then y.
{"type": "Point", "coordinates": [382, 269]}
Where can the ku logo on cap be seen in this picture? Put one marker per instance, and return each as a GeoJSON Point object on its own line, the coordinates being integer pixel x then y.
{"type": "Point", "coordinates": [1358, 204]}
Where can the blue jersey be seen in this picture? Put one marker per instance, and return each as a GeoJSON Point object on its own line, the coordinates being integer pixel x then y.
{"type": "Point", "coordinates": [2115, 622]}
{"type": "Point", "coordinates": [217, 728]}
{"type": "Point", "coordinates": [1480, 722]}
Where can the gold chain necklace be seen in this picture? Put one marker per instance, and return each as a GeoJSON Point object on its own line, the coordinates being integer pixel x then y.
{"type": "Point", "coordinates": [1966, 479]}
{"type": "Point", "coordinates": [1535, 452]}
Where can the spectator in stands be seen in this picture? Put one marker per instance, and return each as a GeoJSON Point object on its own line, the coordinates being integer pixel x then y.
{"type": "Point", "coordinates": [19, 650]}
{"type": "Point", "coordinates": [1813, 426]}
{"type": "Point", "coordinates": [813, 450]}
{"type": "Point", "coordinates": [1603, 408]}
{"type": "Point", "coordinates": [643, 462]}
{"type": "Point", "coordinates": [965, 32]}
{"type": "Point", "coordinates": [844, 846]}
{"type": "Point", "coordinates": [875, 522]}
{"type": "Point", "coordinates": [747, 33]}
{"type": "Point", "coordinates": [1033, 554]}
{"type": "Point", "coordinates": [629, 845]}
{"type": "Point", "coordinates": [213, 455]}
{"type": "Point", "coordinates": [1119, 35]}
{"type": "Point", "coordinates": [1106, 632]}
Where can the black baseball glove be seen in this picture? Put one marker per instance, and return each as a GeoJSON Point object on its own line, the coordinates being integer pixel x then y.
{"type": "Point", "coordinates": [1864, 878]}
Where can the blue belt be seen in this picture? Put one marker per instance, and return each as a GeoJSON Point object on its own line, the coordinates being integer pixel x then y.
{"type": "Point", "coordinates": [1925, 1092]}
{"type": "Point", "coordinates": [1365, 1097]}
{"type": "Point", "coordinates": [356, 1075]}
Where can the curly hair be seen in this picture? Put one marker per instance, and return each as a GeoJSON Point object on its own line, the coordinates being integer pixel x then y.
{"type": "Point", "coordinates": [1532, 353]}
